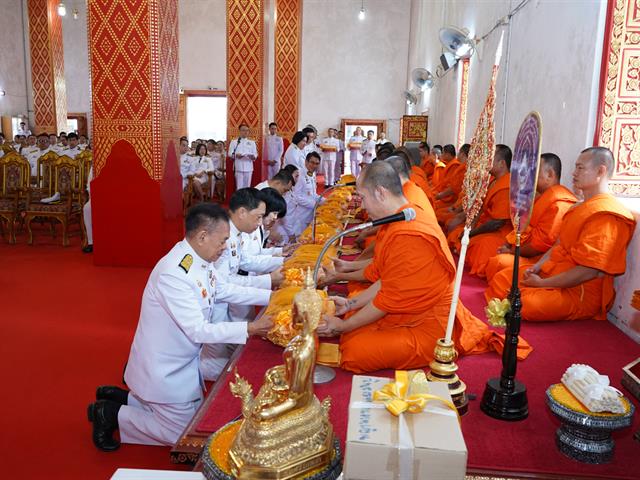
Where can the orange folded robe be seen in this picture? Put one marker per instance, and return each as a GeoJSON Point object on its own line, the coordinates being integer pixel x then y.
{"type": "Point", "coordinates": [543, 230]}
{"type": "Point", "coordinates": [438, 172]}
{"type": "Point", "coordinates": [494, 207]}
{"type": "Point", "coordinates": [417, 273]}
{"type": "Point", "coordinates": [428, 166]}
{"type": "Point", "coordinates": [594, 234]}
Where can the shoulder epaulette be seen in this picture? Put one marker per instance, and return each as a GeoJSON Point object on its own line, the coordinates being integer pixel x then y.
{"type": "Point", "coordinates": [186, 262]}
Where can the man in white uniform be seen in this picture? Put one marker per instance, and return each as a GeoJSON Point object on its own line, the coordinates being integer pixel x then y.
{"type": "Point", "coordinates": [294, 154]}
{"type": "Point", "coordinates": [175, 321]}
{"type": "Point", "coordinates": [243, 153]}
{"type": "Point", "coordinates": [329, 147]}
{"type": "Point", "coordinates": [355, 151]}
{"type": "Point", "coordinates": [23, 129]}
{"type": "Point", "coordinates": [282, 181]}
{"type": "Point", "coordinates": [274, 150]}
{"type": "Point", "coordinates": [305, 197]}
{"type": "Point", "coordinates": [43, 147]}
{"type": "Point", "coordinates": [310, 145]}
{"type": "Point", "coordinates": [186, 162]}
{"type": "Point", "coordinates": [72, 146]}
{"type": "Point", "coordinates": [383, 139]}
{"type": "Point", "coordinates": [368, 148]}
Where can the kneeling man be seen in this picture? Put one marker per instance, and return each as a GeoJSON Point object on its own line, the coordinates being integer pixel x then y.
{"type": "Point", "coordinates": [175, 321]}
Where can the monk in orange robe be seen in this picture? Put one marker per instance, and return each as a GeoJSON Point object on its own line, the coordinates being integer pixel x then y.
{"type": "Point", "coordinates": [398, 319]}
{"type": "Point", "coordinates": [574, 279]}
{"type": "Point", "coordinates": [451, 186]}
{"type": "Point", "coordinates": [551, 204]}
{"type": "Point", "coordinates": [493, 224]}
{"type": "Point", "coordinates": [452, 165]}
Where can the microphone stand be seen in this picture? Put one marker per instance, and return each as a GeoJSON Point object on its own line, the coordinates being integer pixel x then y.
{"type": "Point", "coordinates": [330, 242]}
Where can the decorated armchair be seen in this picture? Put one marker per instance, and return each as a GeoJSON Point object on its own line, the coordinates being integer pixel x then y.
{"type": "Point", "coordinates": [61, 176]}
{"type": "Point", "coordinates": [42, 173]}
{"type": "Point", "coordinates": [15, 175]}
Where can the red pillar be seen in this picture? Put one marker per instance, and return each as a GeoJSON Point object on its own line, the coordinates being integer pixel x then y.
{"type": "Point", "coordinates": [136, 195]}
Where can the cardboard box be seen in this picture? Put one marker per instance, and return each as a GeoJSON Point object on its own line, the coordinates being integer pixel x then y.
{"type": "Point", "coordinates": [375, 449]}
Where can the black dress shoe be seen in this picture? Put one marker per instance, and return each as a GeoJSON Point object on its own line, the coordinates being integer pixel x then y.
{"type": "Point", "coordinates": [104, 416]}
{"type": "Point", "coordinates": [88, 249]}
{"type": "Point", "coordinates": [109, 392]}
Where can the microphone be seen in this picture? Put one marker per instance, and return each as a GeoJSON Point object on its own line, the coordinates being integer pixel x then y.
{"type": "Point", "coordinates": [407, 215]}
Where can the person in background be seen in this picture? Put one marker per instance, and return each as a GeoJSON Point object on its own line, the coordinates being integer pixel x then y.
{"type": "Point", "coordinates": [274, 148]}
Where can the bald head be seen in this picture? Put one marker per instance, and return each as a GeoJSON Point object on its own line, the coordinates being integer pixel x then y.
{"type": "Point", "coordinates": [381, 174]}
{"type": "Point", "coordinates": [552, 162]}
{"type": "Point", "coordinates": [401, 167]}
{"type": "Point", "coordinates": [601, 156]}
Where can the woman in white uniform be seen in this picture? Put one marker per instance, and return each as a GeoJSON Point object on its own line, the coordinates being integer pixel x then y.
{"type": "Point", "coordinates": [201, 166]}
{"type": "Point", "coordinates": [295, 154]}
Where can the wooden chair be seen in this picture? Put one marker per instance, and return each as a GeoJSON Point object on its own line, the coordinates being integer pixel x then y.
{"type": "Point", "coordinates": [6, 148]}
{"type": "Point", "coordinates": [42, 172]}
{"type": "Point", "coordinates": [61, 175]}
{"type": "Point", "coordinates": [15, 174]}
{"type": "Point", "coordinates": [189, 194]}
{"type": "Point", "coordinates": [86, 160]}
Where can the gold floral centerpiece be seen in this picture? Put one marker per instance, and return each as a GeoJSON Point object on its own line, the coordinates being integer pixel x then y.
{"type": "Point", "coordinates": [285, 432]}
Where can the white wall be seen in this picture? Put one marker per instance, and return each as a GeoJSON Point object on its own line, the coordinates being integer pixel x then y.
{"type": "Point", "coordinates": [76, 59]}
{"type": "Point", "coordinates": [12, 60]}
{"type": "Point", "coordinates": [203, 44]}
{"type": "Point", "coordinates": [352, 68]}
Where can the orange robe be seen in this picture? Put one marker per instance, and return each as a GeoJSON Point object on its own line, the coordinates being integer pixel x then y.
{"type": "Point", "coordinates": [543, 230]}
{"type": "Point", "coordinates": [417, 273]}
{"type": "Point", "coordinates": [438, 172]}
{"type": "Point", "coordinates": [420, 179]}
{"type": "Point", "coordinates": [495, 207]}
{"type": "Point", "coordinates": [416, 196]}
{"type": "Point", "coordinates": [453, 178]}
{"type": "Point", "coordinates": [428, 166]}
{"type": "Point", "coordinates": [594, 234]}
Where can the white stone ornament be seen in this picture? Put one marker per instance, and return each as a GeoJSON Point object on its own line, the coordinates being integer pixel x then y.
{"type": "Point", "coordinates": [593, 389]}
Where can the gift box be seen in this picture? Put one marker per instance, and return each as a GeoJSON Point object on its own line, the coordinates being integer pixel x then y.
{"type": "Point", "coordinates": [427, 445]}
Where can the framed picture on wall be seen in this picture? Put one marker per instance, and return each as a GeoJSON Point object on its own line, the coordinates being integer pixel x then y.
{"type": "Point", "coordinates": [349, 125]}
{"type": "Point", "coordinates": [413, 128]}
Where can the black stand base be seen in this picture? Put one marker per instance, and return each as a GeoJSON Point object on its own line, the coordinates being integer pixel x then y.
{"type": "Point", "coordinates": [503, 405]}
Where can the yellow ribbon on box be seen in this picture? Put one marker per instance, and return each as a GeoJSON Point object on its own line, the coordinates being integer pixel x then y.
{"type": "Point", "coordinates": [409, 392]}
{"type": "Point", "coordinates": [496, 310]}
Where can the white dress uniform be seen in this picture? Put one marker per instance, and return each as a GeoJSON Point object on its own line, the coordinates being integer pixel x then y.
{"type": "Point", "coordinates": [294, 156]}
{"type": "Point", "coordinates": [274, 149]}
{"type": "Point", "coordinates": [355, 154]}
{"type": "Point", "coordinates": [58, 148]}
{"type": "Point", "coordinates": [86, 210]}
{"type": "Point", "coordinates": [71, 152]}
{"type": "Point", "coordinates": [243, 152]}
{"type": "Point", "coordinates": [368, 150]}
{"type": "Point", "coordinates": [33, 159]}
{"type": "Point", "coordinates": [284, 226]}
{"type": "Point", "coordinates": [163, 368]}
{"type": "Point", "coordinates": [262, 185]}
{"type": "Point", "coordinates": [329, 160]}
{"type": "Point", "coordinates": [186, 168]}
{"type": "Point", "coordinates": [305, 197]}
{"type": "Point", "coordinates": [202, 164]}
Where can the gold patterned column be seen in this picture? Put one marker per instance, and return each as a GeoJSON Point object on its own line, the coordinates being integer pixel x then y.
{"type": "Point", "coordinates": [287, 65]}
{"type": "Point", "coordinates": [462, 111]}
{"type": "Point", "coordinates": [136, 196]}
{"type": "Point", "coordinates": [618, 125]}
{"type": "Point", "coordinates": [47, 66]}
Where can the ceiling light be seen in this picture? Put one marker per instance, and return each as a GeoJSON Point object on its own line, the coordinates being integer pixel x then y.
{"type": "Point", "coordinates": [2, 93]}
{"type": "Point", "coordinates": [75, 13]}
{"type": "Point", "coordinates": [361, 15]}
{"type": "Point", "coordinates": [62, 10]}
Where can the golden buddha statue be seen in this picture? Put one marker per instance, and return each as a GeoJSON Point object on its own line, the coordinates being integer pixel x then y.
{"type": "Point", "coordinates": [286, 430]}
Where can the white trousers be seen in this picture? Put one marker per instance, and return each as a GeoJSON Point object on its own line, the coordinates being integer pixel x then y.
{"type": "Point", "coordinates": [329, 170]}
{"type": "Point", "coordinates": [273, 169]}
{"type": "Point", "coordinates": [243, 179]}
{"type": "Point", "coordinates": [355, 165]}
{"type": "Point", "coordinates": [213, 358]}
{"type": "Point", "coordinates": [86, 213]}
{"type": "Point", "coordinates": [149, 423]}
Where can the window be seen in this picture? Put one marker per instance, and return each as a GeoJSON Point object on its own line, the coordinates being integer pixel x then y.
{"type": "Point", "coordinates": [207, 117]}
{"type": "Point", "coordinates": [72, 125]}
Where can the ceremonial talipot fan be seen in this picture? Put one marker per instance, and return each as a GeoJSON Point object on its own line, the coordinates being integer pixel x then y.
{"type": "Point", "coordinates": [505, 398]}
{"type": "Point", "coordinates": [476, 183]}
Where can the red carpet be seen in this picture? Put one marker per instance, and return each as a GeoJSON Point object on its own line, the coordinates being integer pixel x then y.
{"type": "Point", "coordinates": [527, 446]}
{"type": "Point", "coordinates": [67, 327]}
